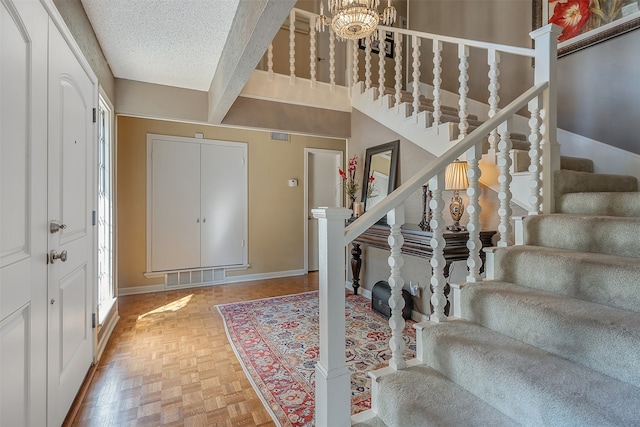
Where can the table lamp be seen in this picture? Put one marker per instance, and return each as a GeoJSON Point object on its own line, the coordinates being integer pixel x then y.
{"type": "Point", "coordinates": [456, 180]}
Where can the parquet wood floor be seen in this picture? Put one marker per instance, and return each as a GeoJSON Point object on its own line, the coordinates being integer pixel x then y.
{"type": "Point", "coordinates": [169, 363]}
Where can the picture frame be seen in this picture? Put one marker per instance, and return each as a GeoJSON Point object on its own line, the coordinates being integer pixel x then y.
{"type": "Point", "coordinates": [603, 19]}
{"type": "Point", "coordinates": [375, 45]}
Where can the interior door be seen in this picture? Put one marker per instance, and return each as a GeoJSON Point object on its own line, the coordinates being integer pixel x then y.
{"type": "Point", "coordinates": [71, 200]}
{"type": "Point", "coordinates": [223, 203]}
{"type": "Point", "coordinates": [23, 213]}
{"type": "Point", "coordinates": [175, 205]}
{"type": "Point", "coordinates": [323, 189]}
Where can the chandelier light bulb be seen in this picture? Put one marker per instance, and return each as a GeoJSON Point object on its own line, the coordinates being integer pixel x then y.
{"type": "Point", "coordinates": [355, 19]}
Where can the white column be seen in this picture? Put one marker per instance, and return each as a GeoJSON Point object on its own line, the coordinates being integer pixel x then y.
{"type": "Point", "coordinates": [381, 54]}
{"type": "Point", "coordinates": [313, 59]}
{"type": "Point", "coordinates": [463, 55]}
{"type": "Point", "coordinates": [504, 180]}
{"type": "Point", "coordinates": [546, 41]}
{"type": "Point", "coordinates": [535, 167]}
{"type": "Point", "coordinates": [367, 63]}
{"type": "Point", "coordinates": [395, 219]}
{"type": "Point", "coordinates": [332, 58]}
{"type": "Point", "coordinates": [415, 43]}
{"type": "Point", "coordinates": [437, 81]}
{"type": "Point", "coordinates": [474, 262]}
{"type": "Point", "coordinates": [333, 380]}
{"type": "Point", "coordinates": [292, 46]}
{"type": "Point", "coordinates": [493, 59]}
{"type": "Point", "coordinates": [398, 67]}
{"type": "Point", "coordinates": [438, 300]}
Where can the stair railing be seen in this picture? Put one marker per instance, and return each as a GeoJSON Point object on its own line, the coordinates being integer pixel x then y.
{"type": "Point", "coordinates": [332, 375]}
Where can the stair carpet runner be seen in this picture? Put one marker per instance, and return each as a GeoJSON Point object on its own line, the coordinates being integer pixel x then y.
{"type": "Point", "coordinates": [554, 338]}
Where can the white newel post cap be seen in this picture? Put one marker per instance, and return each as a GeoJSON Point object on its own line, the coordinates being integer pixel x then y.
{"type": "Point", "coordinates": [331, 213]}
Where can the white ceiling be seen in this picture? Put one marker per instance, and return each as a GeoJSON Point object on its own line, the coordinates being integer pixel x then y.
{"type": "Point", "coordinates": [168, 42]}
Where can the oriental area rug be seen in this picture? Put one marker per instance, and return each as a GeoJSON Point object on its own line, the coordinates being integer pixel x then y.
{"type": "Point", "coordinates": [276, 341]}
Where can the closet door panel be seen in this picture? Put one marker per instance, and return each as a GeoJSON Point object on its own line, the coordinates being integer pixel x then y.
{"type": "Point", "coordinates": [223, 190]}
{"type": "Point", "coordinates": [175, 227]}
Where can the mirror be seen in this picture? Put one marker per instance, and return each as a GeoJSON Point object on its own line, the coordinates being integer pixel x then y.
{"type": "Point", "coordinates": [381, 164]}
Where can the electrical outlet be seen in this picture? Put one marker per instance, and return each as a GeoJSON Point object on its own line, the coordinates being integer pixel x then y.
{"type": "Point", "coordinates": [414, 289]}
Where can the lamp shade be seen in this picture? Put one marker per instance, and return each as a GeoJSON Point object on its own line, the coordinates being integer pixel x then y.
{"type": "Point", "coordinates": [456, 176]}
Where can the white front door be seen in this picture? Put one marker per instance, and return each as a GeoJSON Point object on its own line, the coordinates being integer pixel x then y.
{"type": "Point", "coordinates": [23, 213]}
{"type": "Point", "coordinates": [72, 141]}
{"type": "Point", "coordinates": [322, 189]}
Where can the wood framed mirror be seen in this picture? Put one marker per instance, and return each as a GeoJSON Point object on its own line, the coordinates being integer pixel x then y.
{"type": "Point", "coordinates": [381, 163]}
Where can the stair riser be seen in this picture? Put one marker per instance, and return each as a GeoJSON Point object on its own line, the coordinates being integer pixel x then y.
{"type": "Point", "coordinates": [608, 342]}
{"type": "Point", "coordinates": [525, 383]}
{"type": "Point", "coordinates": [601, 280]}
{"type": "Point", "coordinates": [610, 204]}
{"type": "Point", "coordinates": [605, 235]}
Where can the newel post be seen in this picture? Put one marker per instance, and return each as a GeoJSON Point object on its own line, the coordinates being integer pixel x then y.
{"type": "Point", "coordinates": [546, 58]}
{"type": "Point", "coordinates": [333, 380]}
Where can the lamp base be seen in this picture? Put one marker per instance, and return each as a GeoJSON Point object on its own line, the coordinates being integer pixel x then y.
{"type": "Point", "coordinates": [456, 209]}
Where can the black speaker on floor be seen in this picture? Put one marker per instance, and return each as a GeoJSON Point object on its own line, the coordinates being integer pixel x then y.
{"type": "Point", "coordinates": [380, 295]}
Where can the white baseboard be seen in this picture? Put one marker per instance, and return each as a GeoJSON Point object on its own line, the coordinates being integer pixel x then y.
{"type": "Point", "coordinates": [134, 290]}
{"type": "Point", "coordinates": [606, 158]}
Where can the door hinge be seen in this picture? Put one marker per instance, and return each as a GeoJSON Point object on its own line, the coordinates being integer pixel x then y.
{"type": "Point", "coordinates": [93, 217]}
{"type": "Point", "coordinates": [93, 320]}
{"type": "Point", "coordinates": [95, 115]}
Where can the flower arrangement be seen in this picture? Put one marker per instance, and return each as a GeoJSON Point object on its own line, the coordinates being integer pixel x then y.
{"type": "Point", "coordinates": [349, 178]}
{"type": "Point", "coordinates": [372, 190]}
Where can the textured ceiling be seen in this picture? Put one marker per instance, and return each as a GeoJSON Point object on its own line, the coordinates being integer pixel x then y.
{"type": "Point", "coordinates": [169, 42]}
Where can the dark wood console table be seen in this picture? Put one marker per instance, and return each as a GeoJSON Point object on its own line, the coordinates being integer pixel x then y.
{"type": "Point", "coordinates": [417, 242]}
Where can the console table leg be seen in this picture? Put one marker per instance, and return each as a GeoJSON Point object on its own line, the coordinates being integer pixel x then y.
{"type": "Point", "coordinates": [356, 264]}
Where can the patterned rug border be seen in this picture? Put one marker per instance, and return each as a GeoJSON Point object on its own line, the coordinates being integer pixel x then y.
{"type": "Point", "coordinates": [246, 308]}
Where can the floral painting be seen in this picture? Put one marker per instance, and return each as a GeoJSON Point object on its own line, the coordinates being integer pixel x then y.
{"type": "Point", "coordinates": [585, 22]}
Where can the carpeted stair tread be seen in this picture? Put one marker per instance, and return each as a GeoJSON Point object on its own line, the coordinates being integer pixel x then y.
{"type": "Point", "coordinates": [610, 204]}
{"type": "Point", "coordinates": [421, 397]}
{"type": "Point", "coordinates": [602, 338]}
{"type": "Point", "coordinates": [578, 164]}
{"type": "Point", "coordinates": [604, 279]}
{"type": "Point", "coordinates": [599, 234]}
{"type": "Point", "coordinates": [371, 422]}
{"type": "Point", "coordinates": [568, 181]}
{"type": "Point", "coordinates": [527, 384]}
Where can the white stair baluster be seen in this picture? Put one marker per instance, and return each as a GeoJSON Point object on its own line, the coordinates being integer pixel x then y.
{"type": "Point", "coordinates": [367, 63]}
{"type": "Point", "coordinates": [438, 262]}
{"type": "Point", "coordinates": [493, 60]}
{"type": "Point", "coordinates": [292, 46]}
{"type": "Point", "coordinates": [355, 69]}
{"type": "Point", "coordinates": [270, 61]}
{"type": "Point", "coordinates": [535, 168]}
{"type": "Point", "coordinates": [415, 43]}
{"type": "Point", "coordinates": [332, 58]}
{"type": "Point", "coordinates": [313, 59]}
{"type": "Point", "coordinates": [463, 55]}
{"type": "Point", "coordinates": [504, 180]}
{"type": "Point", "coordinates": [381, 70]}
{"type": "Point", "coordinates": [398, 67]}
{"type": "Point", "coordinates": [395, 219]}
{"type": "Point", "coordinates": [474, 262]}
{"type": "Point", "coordinates": [437, 81]}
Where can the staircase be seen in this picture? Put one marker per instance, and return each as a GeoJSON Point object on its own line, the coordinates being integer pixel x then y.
{"type": "Point", "coordinates": [552, 338]}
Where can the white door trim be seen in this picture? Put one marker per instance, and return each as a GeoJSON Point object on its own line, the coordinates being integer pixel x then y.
{"type": "Point", "coordinates": [307, 152]}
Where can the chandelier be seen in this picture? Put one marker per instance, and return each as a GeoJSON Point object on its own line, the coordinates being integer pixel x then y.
{"type": "Point", "coordinates": [355, 19]}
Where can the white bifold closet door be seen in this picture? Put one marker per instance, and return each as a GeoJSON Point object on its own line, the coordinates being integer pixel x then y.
{"type": "Point", "coordinates": [198, 203]}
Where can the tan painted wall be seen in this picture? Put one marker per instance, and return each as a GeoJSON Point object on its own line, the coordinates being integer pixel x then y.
{"type": "Point", "coordinates": [276, 211]}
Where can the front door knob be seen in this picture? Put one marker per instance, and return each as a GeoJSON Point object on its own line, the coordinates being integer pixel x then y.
{"type": "Point", "coordinates": [55, 226]}
{"type": "Point", "coordinates": [54, 255]}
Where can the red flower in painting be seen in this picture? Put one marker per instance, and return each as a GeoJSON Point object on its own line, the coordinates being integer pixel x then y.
{"type": "Point", "coordinates": [572, 16]}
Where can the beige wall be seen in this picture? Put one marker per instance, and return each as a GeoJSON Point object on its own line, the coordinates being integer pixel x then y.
{"type": "Point", "coordinates": [497, 21]}
{"type": "Point", "coordinates": [276, 211]}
